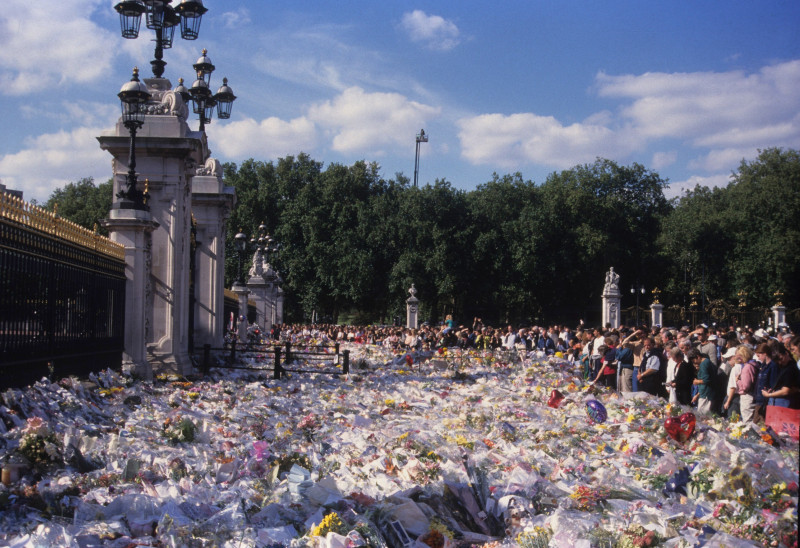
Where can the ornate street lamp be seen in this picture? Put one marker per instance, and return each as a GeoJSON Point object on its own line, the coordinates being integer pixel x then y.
{"type": "Point", "coordinates": [161, 18]}
{"type": "Point", "coordinates": [200, 93]}
{"type": "Point", "coordinates": [421, 138]}
{"type": "Point", "coordinates": [637, 290]}
{"type": "Point", "coordinates": [133, 97]}
{"type": "Point", "coordinates": [240, 244]}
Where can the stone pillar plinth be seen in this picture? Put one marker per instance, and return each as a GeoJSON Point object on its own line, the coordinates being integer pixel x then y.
{"type": "Point", "coordinates": [212, 202]}
{"type": "Point", "coordinates": [412, 309]}
{"type": "Point", "coordinates": [611, 300]}
{"type": "Point", "coordinates": [265, 290]}
{"type": "Point", "coordinates": [657, 314]}
{"type": "Point", "coordinates": [779, 315]}
{"type": "Point", "coordinates": [167, 156]}
{"type": "Point", "coordinates": [242, 293]}
{"type": "Point", "coordinates": [278, 306]}
{"type": "Point", "coordinates": [133, 229]}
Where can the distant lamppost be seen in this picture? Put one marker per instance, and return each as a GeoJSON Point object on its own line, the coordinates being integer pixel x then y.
{"type": "Point", "coordinates": [133, 97]}
{"type": "Point", "coordinates": [261, 243]}
{"type": "Point", "coordinates": [240, 244]}
{"type": "Point", "coordinates": [203, 101]}
{"type": "Point", "coordinates": [421, 138]}
{"type": "Point", "coordinates": [637, 290]}
{"type": "Point", "coordinates": [161, 18]}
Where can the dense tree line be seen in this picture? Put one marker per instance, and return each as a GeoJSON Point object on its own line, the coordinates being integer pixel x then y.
{"type": "Point", "coordinates": [352, 242]}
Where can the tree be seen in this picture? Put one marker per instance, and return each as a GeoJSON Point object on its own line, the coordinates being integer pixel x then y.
{"type": "Point", "coordinates": [83, 203]}
{"type": "Point", "coordinates": [587, 219]}
{"type": "Point", "coordinates": [741, 237]}
{"type": "Point", "coordinates": [503, 271]}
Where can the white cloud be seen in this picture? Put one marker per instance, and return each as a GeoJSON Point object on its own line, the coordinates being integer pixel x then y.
{"type": "Point", "coordinates": [322, 56]}
{"type": "Point", "coordinates": [525, 138]}
{"type": "Point", "coordinates": [233, 20]}
{"type": "Point", "coordinates": [711, 109]}
{"type": "Point", "coordinates": [722, 117]}
{"type": "Point", "coordinates": [51, 161]}
{"type": "Point", "coordinates": [370, 123]}
{"type": "Point", "coordinates": [270, 138]}
{"type": "Point", "coordinates": [664, 159]}
{"type": "Point", "coordinates": [722, 158]}
{"type": "Point", "coordinates": [43, 45]}
{"type": "Point", "coordinates": [679, 188]}
{"type": "Point", "coordinates": [434, 31]}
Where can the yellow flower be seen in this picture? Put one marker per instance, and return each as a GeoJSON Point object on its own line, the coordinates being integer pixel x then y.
{"type": "Point", "coordinates": [601, 448]}
{"type": "Point", "coordinates": [330, 523]}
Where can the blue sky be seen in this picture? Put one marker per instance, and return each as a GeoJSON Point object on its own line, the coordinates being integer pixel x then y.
{"type": "Point", "coordinates": [688, 89]}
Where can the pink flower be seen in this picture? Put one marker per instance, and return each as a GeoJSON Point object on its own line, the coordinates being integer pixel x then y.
{"type": "Point", "coordinates": [36, 426]}
{"type": "Point", "coordinates": [260, 450]}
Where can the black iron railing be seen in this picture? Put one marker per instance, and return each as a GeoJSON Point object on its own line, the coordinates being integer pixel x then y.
{"type": "Point", "coordinates": [258, 357]}
{"type": "Point", "coordinates": [62, 296]}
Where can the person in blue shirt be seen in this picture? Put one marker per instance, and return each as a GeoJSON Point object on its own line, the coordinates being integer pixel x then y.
{"type": "Point", "coordinates": [785, 390]}
{"type": "Point", "coordinates": [767, 374]}
{"type": "Point", "coordinates": [706, 374]}
{"type": "Point", "coordinates": [546, 345]}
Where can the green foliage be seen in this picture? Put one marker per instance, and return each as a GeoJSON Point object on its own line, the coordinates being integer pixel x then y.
{"type": "Point", "coordinates": [740, 237]}
{"type": "Point", "coordinates": [83, 202]}
{"type": "Point", "coordinates": [352, 243]}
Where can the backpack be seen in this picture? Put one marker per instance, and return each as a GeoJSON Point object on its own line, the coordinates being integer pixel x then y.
{"type": "Point", "coordinates": [751, 390]}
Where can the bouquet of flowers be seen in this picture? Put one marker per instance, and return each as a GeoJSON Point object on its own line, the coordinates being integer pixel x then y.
{"type": "Point", "coordinates": [179, 430]}
{"type": "Point", "coordinates": [309, 425]}
{"type": "Point", "coordinates": [38, 443]}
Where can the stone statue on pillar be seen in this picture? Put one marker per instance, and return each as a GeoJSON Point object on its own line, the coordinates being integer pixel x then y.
{"type": "Point", "coordinates": [612, 281]}
{"type": "Point", "coordinates": [264, 284]}
{"type": "Point", "coordinates": [611, 299]}
{"type": "Point", "coordinates": [412, 309]}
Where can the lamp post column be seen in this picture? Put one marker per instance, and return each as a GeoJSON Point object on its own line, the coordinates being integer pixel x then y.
{"type": "Point", "coordinates": [421, 138]}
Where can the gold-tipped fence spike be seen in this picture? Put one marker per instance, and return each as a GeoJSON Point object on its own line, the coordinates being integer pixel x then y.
{"type": "Point", "coordinates": [36, 218]}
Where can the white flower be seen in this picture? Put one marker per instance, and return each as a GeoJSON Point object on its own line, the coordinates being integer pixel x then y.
{"type": "Point", "coordinates": [52, 450]}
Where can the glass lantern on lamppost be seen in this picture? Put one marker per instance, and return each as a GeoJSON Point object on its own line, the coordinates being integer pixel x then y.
{"type": "Point", "coordinates": [200, 94]}
{"type": "Point", "coordinates": [133, 97]}
{"type": "Point", "coordinates": [161, 18]}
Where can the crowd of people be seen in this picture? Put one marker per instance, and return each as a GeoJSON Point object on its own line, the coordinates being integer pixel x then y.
{"type": "Point", "coordinates": [734, 372]}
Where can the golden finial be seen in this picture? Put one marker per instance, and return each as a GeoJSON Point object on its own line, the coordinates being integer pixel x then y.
{"type": "Point", "coordinates": [146, 193]}
{"type": "Point", "coordinates": [778, 297]}
{"type": "Point", "coordinates": [55, 209]}
{"type": "Point", "coordinates": [693, 294]}
{"type": "Point", "coordinates": [95, 229]}
{"type": "Point", "coordinates": [656, 292]}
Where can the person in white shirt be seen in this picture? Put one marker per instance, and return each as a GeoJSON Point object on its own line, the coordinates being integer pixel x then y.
{"type": "Point", "coordinates": [510, 338]}
{"type": "Point", "coordinates": [675, 358]}
{"type": "Point", "coordinates": [732, 400]}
